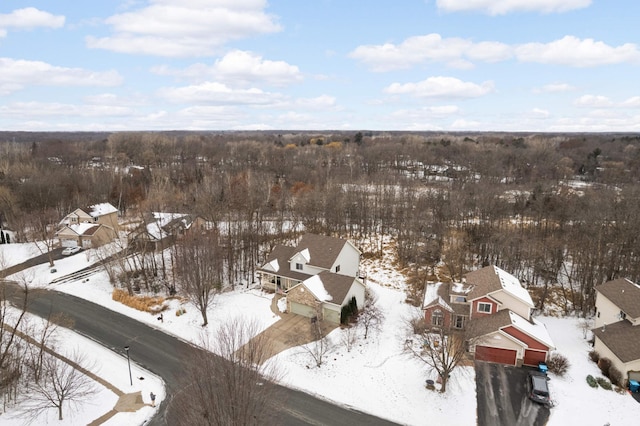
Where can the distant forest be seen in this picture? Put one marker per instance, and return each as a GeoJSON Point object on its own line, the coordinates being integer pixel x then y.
{"type": "Point", "coordinates": [559, 211]}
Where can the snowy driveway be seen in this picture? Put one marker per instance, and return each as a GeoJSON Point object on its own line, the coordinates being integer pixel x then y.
{"type": "Point", "coordinates": [502, 397]}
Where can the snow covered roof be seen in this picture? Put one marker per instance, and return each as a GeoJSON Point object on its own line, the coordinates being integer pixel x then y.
{"type": "Point", "coordinates": [430, 294]}
{"type": "Point", "coordinates": [316, 286]}
{"type": "Point", "coordinates": [101, 209]}
{"type": "Point", "coordinates": [84, 228]}
{"type": "Point", "coordinates": [512, 285]}
{"type": "Point", "coordinates": [533, 328]}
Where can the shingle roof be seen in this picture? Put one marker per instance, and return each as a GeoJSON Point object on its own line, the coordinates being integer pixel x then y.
{"type": "Point", "coordinates": [492, 279]}
{"type": "Point", "coordinates": [624, 294]}
{"type": "Point", "coordinates": [622, 339]}
{"type": "Point", "coordinates": [490, 323]}
{"type": "Point", "coordinates": [279, 260]}
{"type": "Point", "coordinates": [335, 285]}
{"type": "Point", "coordinates": [323, 250]}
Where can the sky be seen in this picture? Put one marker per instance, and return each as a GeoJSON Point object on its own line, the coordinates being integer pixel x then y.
{"type": "Point", "coordinates": [440, 65]}
{"type": "Point", "coordinates": [390, 383]}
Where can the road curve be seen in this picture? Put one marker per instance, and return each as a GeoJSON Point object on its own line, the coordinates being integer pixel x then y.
{"type": "Point", "coordinates": [161, 354]}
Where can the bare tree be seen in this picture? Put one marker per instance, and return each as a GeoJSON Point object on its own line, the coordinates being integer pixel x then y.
{"type": "Point", "coordinates": [348, 337]}
{"type": "Point", "coordinates": [61, 385]}
{"type": "Point", "coordinates": [199, 269]}
{"type": "Point", "coordinates": [442, 350]}
{"type": "Point", "coordinates": [321, 345]}
{"type": "Point", "coordinates": [370, 316]}
{"type": "Point", "coordinates": [233, 386]}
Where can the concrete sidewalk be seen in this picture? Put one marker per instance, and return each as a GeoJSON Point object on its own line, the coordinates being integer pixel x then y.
{"type": "Point", "coordinates": [127, 402]}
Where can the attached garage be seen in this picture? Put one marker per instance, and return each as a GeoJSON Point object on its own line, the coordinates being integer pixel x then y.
{"type": "Point", "coordinates": [499, 355]}
{"type": "Point", "coordinates": [533, 357]}
{"type": "Point", "coordinates": [300, 309]}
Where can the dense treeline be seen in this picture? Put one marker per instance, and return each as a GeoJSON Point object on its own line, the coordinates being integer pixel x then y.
{"type": "Point", "coordinates": [558, 211]}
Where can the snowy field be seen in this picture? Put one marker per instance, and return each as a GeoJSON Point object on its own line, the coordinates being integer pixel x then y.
{"type": "Point", "coordinates": [374, 377]}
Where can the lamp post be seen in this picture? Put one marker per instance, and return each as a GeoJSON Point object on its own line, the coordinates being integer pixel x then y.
{"type": "Point", "coordinates": [126, 348]}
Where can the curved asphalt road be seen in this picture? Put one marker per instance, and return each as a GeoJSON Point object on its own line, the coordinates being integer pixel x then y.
{"type": "Point", "coordinates": [161, 354]}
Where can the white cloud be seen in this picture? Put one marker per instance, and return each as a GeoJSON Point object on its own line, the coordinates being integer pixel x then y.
{"type": "Point", "coordinates": [182, 28]}
{"type": "Point", "coordinates": [632, 102]}
{"type": "Point", "coordinates": [441, 87]}
{"type": "Point", "coordinates": [16, 74]}
{"type": "Point", "coordinates": [554, 88]}
{"type": "Point", "coordinates": [501, 7]}
{"type": "Point", "coordinates": [29, 18]}
{"type": "Point", "coordinates": [576, 52]}
{"type": "Point", "coordinates": [456, 52]}
{"type": "Point", "coordinates": [239, 67]}
{"type": "Point", "coordinates": [540, 113]}
{"type": "Point", "coordinates": [593, 101]}
{"type": "Point", "coordinates": [214, 93]}
{"type": "Point", "coordinates": [48, 109]}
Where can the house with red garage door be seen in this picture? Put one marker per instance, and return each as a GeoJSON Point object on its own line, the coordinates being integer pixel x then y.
{"type": "Point", "coordinates": [494, 309]}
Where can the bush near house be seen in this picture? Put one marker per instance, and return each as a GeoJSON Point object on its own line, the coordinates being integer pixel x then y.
{"type": "Point", "coordinates": [594, 356]}
{"type": "Point", "coordinates": [558, 364]}
{"type": "Point", "coordinates": [604, 383]}
{"type": "Point", "coordinates": [592, 381]}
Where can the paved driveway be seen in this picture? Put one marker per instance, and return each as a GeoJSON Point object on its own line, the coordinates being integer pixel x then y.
{"type": "Point", "coordinates": [290, 330]}
{"type": "Point", "coordinates": [502, 397]}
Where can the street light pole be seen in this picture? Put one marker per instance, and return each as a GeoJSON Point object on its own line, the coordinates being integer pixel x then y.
{"type": "Point", "coordinates": [126, 348]}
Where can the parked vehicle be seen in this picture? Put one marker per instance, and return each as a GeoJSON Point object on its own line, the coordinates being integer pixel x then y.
{"type": "Point", "coordinates": [70, 250]}
{"type": "Point", "coordinates": [538, 388]}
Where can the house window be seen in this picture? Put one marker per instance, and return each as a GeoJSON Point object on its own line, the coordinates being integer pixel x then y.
{"type": "Point", "coordinates": [484, 307]}
{"type": "Point", "coordinates": [299, 266]}
{"type": "Point", "coordinates": [459, 321]}
{"type": "Point", "coordinates": [622, 315]}
{"type": "Point", "coordinates": [437, 319]}
{"type": "Point", "coordinates": [598, 314]}
{"type": "Point", "coordinates": [337, 269]}
{"type": "Point", "coordinates": [460, 299]}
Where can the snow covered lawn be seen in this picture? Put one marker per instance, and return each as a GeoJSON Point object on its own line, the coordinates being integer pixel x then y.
{"type": "Point", "coordinates": [375, 376]}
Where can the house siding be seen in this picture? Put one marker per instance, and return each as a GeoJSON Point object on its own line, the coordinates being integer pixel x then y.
{"type": "Point", "coordinates": [428, 313]}
{"type": "Point", "coordinates": [605, 352]}
{"type": "Point", "coordinates": [302, 295]}
{"type": "Point", "coordinates": [348, 260]}
{"type": "Point", "coordinates": [514, 304]}
{"type": "Point", "coordinates": [474, 307]}
{"type": "Point", "coordinates": [607, 311]}
{"type": "Point", "coordinates": [531, 342]}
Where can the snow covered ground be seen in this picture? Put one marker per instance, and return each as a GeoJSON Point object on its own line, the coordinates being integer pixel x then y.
{"type": "Point", "coordinates": [374, 377]}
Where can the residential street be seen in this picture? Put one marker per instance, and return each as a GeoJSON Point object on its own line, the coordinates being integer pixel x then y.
{"type": "Point", "coordinates": [161, 354]}
{"type": "Point", "coordinates": [502, 397]}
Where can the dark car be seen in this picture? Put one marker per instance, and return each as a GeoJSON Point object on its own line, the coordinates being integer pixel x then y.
{"type": "Point", "coordinates": [538, 388]}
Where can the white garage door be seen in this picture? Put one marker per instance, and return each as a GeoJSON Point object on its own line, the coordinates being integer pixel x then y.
{"type": "Point", "coordinates": [304, 310]}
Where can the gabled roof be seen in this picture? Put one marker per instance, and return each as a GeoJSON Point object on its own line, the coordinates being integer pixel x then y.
{"type": "Point", "coordinates": [624, 294]}
{"type": "Point", "coordinates": [278, 263]}
{"type": "Point", "coordinates": [85, 229]}
{"type": "Point", "coordinates": [329, 287]}
{"type": "Point", "coordinates": [491, 323]}
{"type": "Point", "coordinates": [320, 250]}
{"type": "Point", "coordinates": [622, 339]}
{"type": "Point", "coordinates": [492, 279]}
{"type": "Point", "coordinates": [432, 297]}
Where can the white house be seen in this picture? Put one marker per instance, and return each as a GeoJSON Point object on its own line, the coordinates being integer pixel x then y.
{"type": "Point", "coordinates": [320, 275]}
{"type": "Point", "coordinates": [617, 332]}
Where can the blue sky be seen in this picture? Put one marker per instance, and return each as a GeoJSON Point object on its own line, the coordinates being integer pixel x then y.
{"type": "Point", "coordinates": [453, 65]}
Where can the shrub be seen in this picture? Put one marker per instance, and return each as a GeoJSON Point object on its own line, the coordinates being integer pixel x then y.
{"type": "Point", "coordinates": [591, 381]}
{"type": "Point", "coordinates": [151, 304]}
{"type": "Point", "coordinates": [558, 364]}
{"type": "Point", "coordinates": [604, 383]}
{"type": "Point", "coordinates": [419, 326]}
{"type": "Point", "coordinates": [604, 364]}
{"type": "Point", "coordinates": [594, 356]}
{"type": "Point", "coordinates": [616, 376]}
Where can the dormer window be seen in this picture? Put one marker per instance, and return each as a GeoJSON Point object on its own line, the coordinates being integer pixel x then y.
{"type": "Point", "coordinates": [337, 269]}
{"type": "Point", "coordinates": [460, 299]}
{"type": "Point", "coordinates": [622, 315]}
{"type": "Point", "coordinates": [299, 266]}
